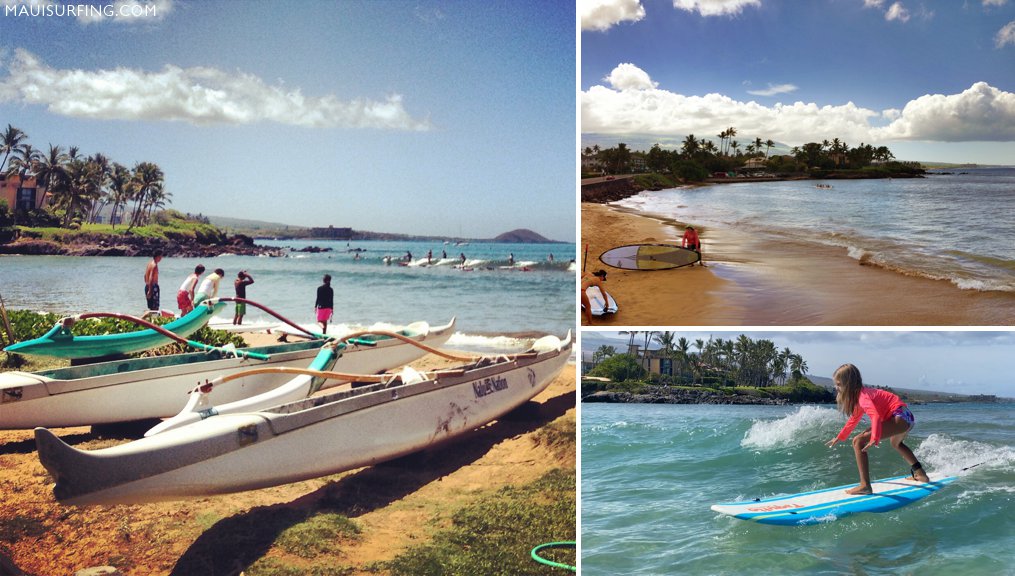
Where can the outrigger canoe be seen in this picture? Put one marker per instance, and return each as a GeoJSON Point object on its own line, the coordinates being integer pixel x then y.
{"type": "Point", "coordinates": [61, 342]}
{"type": "Point", "coordinates": [317, 436]}
{"type": "Point", "coordinates": [157, 387]}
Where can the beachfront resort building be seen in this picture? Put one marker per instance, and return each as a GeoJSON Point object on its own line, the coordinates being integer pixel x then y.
{"type": "Point", "coordinates": [21, 195]}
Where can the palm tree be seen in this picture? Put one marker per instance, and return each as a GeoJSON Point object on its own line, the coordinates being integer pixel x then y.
{"type": "Point", "coordinates": [51, 172]}
{"type": "Point", "coordinates": [798, 366]}
{"type": "Point", "coordinates": [10, 141]}
{"type": "Point", "coordinates": [602, 353]}
{"type": "Point", "coordinates": [119, 189]}
{"type": "Point", "coordinates": [768, 146]}
{"type": "Point", "coordinates": [83, 190]}
{"type": "Point", "coordinates": [147, 176]}
{"type": "Point", "coordinates": [758, 144]}
{"type": "Point", "coordinates": [690, 146]}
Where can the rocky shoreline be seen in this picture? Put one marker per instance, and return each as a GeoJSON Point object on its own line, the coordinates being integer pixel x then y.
{"type": "Point", "coordinates": [101, 245]}
{"type": "Point", "coordinates": [665, 395]}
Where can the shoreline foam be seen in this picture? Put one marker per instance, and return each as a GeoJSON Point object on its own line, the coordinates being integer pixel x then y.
{"type": "Point", "coordinates": [783, 282]}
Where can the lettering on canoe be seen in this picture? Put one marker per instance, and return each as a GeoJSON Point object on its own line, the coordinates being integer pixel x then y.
{"type": "Point", "coordinates": [488, 386]}
{"type": "Point", "coordinates": [11, 395]}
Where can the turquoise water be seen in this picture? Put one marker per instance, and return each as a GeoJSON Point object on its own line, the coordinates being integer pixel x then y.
{"type": "Point", "coordinates": [650, 472]}
{"type": "Point", "coordinates": [490, 299]}
{"type": "Point", "coordinates": [955, 227]}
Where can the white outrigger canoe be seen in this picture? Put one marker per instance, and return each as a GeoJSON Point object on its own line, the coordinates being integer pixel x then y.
{"type": "Point", "coordinates": [142, 388]}
{"type": "Point", "coordinates": [314, 437]}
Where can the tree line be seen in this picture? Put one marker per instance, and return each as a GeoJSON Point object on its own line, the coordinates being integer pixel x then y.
{"type": "Point", "coordinates": [738, 361]}
{"type": "Point", "coordinates": [696, 158]}
{"type": "Point", "coordinates": [77, 187]}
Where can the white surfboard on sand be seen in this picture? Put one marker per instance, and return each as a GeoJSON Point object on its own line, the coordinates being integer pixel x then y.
{"type": "Point", "coordinates": [599, 307]}
{"type": "Point", "coordinates": [834, 503]}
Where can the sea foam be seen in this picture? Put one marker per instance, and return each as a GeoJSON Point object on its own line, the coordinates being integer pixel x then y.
{"type": "Point", "coordinates": [807, 424]}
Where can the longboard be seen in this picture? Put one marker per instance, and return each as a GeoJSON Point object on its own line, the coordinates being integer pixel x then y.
{"type": "Point", "coordinates": [833, 503]}
{"type": "Point", "coordinates": [649, 257]}
{"type": "Point", "coordinates": [600, 308]}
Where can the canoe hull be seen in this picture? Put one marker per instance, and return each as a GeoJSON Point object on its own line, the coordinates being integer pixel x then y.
{"type": "Point", "coordinates": [127, 390]}
{"type": "Point", "coordinates": [298, 441]}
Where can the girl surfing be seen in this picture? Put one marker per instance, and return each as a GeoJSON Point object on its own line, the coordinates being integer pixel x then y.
{"type": "Point", "coordinates": [890, 418]}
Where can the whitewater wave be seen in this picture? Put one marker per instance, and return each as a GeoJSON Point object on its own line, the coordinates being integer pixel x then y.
{"type": "Point", "coordinates": [806, 425]}
{"type": "Point", "coordinates": [960, 457]}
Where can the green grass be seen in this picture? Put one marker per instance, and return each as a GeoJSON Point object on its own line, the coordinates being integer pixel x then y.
{"type": "Point", "coordinates": [320, 534]}
{"type": "Point", "coordinates": [496, 535]}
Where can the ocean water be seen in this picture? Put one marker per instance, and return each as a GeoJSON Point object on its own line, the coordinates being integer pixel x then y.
{"type": "Point", "coordinates": [650, 472]}
{"type": "Point", "coordinates": [956, 227]}
{"type": "Point", "coordinates": [491, 298]}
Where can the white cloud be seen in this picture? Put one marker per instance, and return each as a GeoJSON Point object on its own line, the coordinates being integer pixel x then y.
{"type": "Point", "coordinates": [994, 2]}
{"type": "Point", "coordinates": [981, 113]}
{"type": "Point", "coordinates": [873, 3]}
{"type": "Point", "coordinates": [634, 104]}
{"type": "Point", "coordinates": [1005, 35]}
{"type": "Point", "coordinates": [774, 90]}
{"type": "Point", "coordinates": [715, 7]}
{"type": "Point", "coordinates": [196, 95]}
{"type": "Point", "coordinates": [897, 12]}
{"type": "Point", "coordinates": [630, 77]}
{"type": "Point", "coordinates": [604, 14]}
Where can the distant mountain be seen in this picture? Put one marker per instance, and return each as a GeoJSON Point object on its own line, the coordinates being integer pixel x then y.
{"type": "Point", "coordinates": [522, 236]}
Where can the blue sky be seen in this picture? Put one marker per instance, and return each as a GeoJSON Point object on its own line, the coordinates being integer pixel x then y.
{"type": "Point", "coordinates": [933, 80]}
{"type": "Point", "coordinates": [974, 362]}
{"type": "Point", "coordinates": [443, 118]}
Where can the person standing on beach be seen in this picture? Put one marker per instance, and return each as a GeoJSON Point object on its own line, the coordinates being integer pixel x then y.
{"type": "Point", "coordinates": [890, 418]}
{"type": "Point", "coordinates": [185, 295]}
{"type": "Point", "coordinates": [589, 280]}
{"type": "Point", "coordinates": [209, 286]}
{"type": "Point", "coordinates": [692, 242]}
{"type": "Point", "coordinates": [325, 303]}
{"type": "Point", "coordinates": [429, 256]}
{"type": "Point", "coordinates": [151, 282]}
{"type": "Point", "coordinates": [240, 284]}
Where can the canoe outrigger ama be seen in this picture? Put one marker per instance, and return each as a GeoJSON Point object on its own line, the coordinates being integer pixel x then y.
{"type": "Point", "coordinates": [62, 343]}
{"type": "Point", "coordinates": [309, 438]}
{"type": "Point", "coordinates": [157, 387]}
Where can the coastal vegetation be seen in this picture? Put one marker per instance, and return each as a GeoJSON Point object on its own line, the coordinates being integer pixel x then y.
{"type": "Point", "coordinates": [712, 370]}
{"type": "Point", "coordinates": [77, 188]}
{"type": "Point", "coordinates": [699, 159]}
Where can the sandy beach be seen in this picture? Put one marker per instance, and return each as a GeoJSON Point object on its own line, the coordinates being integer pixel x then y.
{"type": "Point", "coordinates": [775, 284]}
{"type": "Point", "coordinates": [396, 505]}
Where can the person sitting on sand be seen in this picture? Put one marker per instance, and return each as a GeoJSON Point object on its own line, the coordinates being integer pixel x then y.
{"type": "Point", "coordinates": [890, 418]}
{"type": "Point", "coordinates": [588, 280]}
{"type": "Point", "coordinates": [692, 242]}
{"type": "Point", "coordinates": [185, 295]}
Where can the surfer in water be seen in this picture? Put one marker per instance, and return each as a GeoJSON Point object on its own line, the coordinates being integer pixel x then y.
{"type": "Point", "coordinates": [890, 418]}
{"type": "Point", "coordinates": [692, 242]}
{"type": "Point", "coordinates": [589, 280]}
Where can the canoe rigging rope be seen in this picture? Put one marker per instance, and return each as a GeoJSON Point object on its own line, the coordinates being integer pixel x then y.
{"type": "Point", "coordinates": [387, 377]}
{"type": "Point", "coordinates": [71, 320]}
{"type": "Point", "coordinates": [273, 313]}
{"type": "Point", "coordinates": [541, 560]}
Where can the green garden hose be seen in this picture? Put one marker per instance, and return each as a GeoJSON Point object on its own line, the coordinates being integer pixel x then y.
{"type": "Point", "coordinates": [541, 560]}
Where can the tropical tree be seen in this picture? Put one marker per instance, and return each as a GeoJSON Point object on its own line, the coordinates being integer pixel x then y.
{"type": "Point", "coordinates": [51, 171]}
{"type": "Point", "coordinates": [602, 353]}
{"type": "Point", "coordinates": [11, 141]}
{"type": "Point", "coordinates": [768, 147]}
{"type": "Point", "coordinates": [147, 180]}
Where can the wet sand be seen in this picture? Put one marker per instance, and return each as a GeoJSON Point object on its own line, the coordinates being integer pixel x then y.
{"type": "Point", "coordinates": [750, 283]}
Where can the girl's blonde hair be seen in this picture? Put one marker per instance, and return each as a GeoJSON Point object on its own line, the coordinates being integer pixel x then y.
{"type": "Point", "coordinates": [847, 388]}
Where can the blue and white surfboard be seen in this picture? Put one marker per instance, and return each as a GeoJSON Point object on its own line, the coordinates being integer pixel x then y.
{"type": "Point", "coordinates": [834, 503]}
